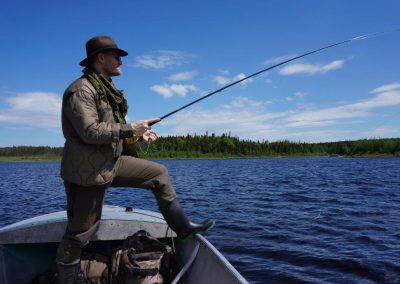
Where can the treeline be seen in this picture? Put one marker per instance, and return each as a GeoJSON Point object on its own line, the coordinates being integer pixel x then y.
{"type": "Point", "coordinates": [226, 146]}
{"type": "Point", "coordinates": [202, 146]}
{"type": "Point", "coordinates": [18, 151]}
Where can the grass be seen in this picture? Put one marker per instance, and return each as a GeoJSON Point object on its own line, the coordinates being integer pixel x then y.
{"type": "Point", "coordinates": [39, 158]}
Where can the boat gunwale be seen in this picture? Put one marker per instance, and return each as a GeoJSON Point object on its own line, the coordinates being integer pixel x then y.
{"type": "Point", "coordinates": [110, 212]}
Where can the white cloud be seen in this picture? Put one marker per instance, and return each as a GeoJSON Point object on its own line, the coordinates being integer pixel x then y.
{"type": "Point", "coordinates": [242, 76]}
{"type": "Point", "coordinates": [162, 59]}
{"type": "Point", "coordinates": [250, 119]}
{"type": "Point", "coordinates": [168, 91]}
{"type": "Point", "coordinates": [391, 97]}
{"type": "Point", "coordinates": [240, 101]}
{"type": "Point", "coordinates": [297, 95]}
{"type": "Point", "coordinates": [34, 109]}
{"type": "Point", "coordinates": [183, 76]}
{"type": "Point", "coordinates": [386, 88]}
{"type": "Point", "coordinates": [163, 90]}
{"type": "Point", "coordinates": [279, 59]}
{"type": "Point", "coordinates": [239, 117]}
{"type": "Point", "coordinates": [243, 116]}
{"type": "Point", "coordinates": [300, 94]}
{"type": "Point", "coordinates": [304, 68]}
{"type": "Point", "coordinates": [224, 80]}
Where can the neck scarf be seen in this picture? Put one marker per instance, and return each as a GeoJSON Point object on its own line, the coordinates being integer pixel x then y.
{"type": "Point", "coordinates": [107, 92]}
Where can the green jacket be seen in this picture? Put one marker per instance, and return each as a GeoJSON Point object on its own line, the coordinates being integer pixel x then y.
{"type": "Point", "coordinates": [93, 140]}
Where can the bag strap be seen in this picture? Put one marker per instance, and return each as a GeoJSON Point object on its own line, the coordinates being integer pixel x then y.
{"type": "Point", "coordinates": [144, 271]}
{"type": "Point", "coordinates": [145, 256]}
{"type": "Point", "coordinates": [115, 262]}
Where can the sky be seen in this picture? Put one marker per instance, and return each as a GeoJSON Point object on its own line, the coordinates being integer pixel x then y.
{"type": "Point", "coordinates": [180, 51]}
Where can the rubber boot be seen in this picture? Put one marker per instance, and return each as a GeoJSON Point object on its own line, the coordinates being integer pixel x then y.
{"type": "Point", "coordinates": [67, 274]}
{"type": "Point", "coordinates": [176, 218]}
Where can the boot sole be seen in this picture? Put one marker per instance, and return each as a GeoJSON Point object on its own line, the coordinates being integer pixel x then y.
{"type": "Point", "coordinates": [189, 236]}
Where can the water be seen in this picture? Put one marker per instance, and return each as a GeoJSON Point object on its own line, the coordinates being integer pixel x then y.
{"type": "Point", "coordinates": [279, 220]}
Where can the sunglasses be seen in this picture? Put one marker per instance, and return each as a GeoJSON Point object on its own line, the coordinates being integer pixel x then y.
{"type": "Point", "coordinates": [115, 56]}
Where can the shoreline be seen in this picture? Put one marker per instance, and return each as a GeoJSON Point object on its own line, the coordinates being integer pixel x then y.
{"type": "Point", "coordinates": [211, 157]}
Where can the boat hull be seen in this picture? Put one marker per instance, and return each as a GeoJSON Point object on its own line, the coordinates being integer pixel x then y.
{"type": "Point", "coordinates": [27, 248]}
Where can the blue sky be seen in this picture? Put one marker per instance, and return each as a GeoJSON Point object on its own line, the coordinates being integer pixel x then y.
{"type": "Point", "coordinates": [182, 50]}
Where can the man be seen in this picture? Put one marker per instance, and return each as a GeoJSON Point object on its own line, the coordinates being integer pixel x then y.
{"type": "Point", "coordinates": [96, 156]}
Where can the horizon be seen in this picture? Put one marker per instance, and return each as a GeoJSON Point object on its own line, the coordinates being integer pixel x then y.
{"type": "Point", "coordinates": [179, 52]}
{"type": "Point", "coordinates": [242, 140]}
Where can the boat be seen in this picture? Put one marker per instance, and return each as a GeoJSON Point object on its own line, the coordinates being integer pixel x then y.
{"type": "Point", "coordinates": [28, 247]}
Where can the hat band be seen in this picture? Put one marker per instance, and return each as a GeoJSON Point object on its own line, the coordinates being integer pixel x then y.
{"type": "Point", "coordinates": [93, 52]}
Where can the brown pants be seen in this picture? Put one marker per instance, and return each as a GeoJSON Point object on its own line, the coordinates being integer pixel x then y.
{"type": "Point", "coordinates": [84, 204]}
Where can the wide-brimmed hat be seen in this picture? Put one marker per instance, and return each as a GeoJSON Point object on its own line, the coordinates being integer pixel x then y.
{"type": "Point", "coordinates": [98, 44]}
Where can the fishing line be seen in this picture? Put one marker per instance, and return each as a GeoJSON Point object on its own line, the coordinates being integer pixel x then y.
{"type": "Point", "coordinates": [356, 38]}
{"type": "Point", "coordinates": [141, 149]}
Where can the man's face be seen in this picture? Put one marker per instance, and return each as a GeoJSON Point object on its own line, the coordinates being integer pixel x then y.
{"type": "Point", "coordinates": [111, 63]}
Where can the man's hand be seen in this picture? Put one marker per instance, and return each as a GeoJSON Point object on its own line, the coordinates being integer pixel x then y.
{"type": "Point", "coordinates": [149, 136]}
{"type": "Point", "coordinates": [141, 126]}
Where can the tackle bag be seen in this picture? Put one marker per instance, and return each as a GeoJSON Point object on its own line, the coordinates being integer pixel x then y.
{"type": "Point", "coordinates": [93, 269]}
{"type": "Point", "coordinates": [141, 259]}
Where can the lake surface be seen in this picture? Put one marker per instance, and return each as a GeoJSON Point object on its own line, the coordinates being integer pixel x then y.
{"type": "Point", "coordinates": [278, 220]}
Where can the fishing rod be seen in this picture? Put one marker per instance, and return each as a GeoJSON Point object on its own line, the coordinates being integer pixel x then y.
{"type": "Point", "coordinates": [361, 37]}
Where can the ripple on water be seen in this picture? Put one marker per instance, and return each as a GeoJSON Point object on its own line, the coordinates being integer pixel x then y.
{"type": "Point", "coordinates": [292, 220]}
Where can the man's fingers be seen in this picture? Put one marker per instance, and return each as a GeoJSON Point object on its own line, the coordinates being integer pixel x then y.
{"type": "Point", "coordinates": [150, 133]}
{"type": "Point", "coordinates": [141, 126]}
{"type": "Point", "coordinates": [153, 120]}
{"type": "Point", "coordinates": [150, 136]}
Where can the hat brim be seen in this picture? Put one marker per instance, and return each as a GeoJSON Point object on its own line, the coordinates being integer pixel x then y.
{"type": "Point", "coordinates": [85, 61]}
